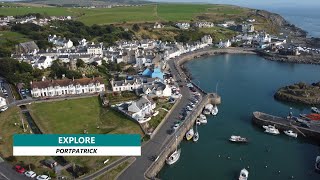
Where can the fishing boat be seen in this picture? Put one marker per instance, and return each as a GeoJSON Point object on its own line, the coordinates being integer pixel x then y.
{"type": "Point", "coordinates": [268, 126]}
{"type": "Point", "coordinates": [291, 133]}
{"type": "Point", "coordinates": [312, 116]}
{"type": "Point", "coordinates": [243, 174]}
{"type": "Point", "coordinates": [202, 116]}
{"type": "Point", "coordinates": [174, 157]}
{"type": "Point", "coordinates": [317, 164]}
{"type": "Point", "coordinates": [316, 110]}
{"type": "Point", "coordinates": [189, 134]}
{"type": "Point", "coordinates": [238, 139]}
{"type": "Point", "coordinates": [272, 130]}
{"type": "Point", "coordinates": [214, 111]}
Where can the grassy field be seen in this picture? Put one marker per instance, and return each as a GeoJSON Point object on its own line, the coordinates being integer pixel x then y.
{"type": "Point", "coordinates": [13, 36]}
{"type": "Point", "coordinates": [136, 14]}
{"type": "Point", "coordinates": [80, 114]}
{"type": "Point", "coordinates": [8, 119]}
{"type": "Point", "coordinates": [75, 116]}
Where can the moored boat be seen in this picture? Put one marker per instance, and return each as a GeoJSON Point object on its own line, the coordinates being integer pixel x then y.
{"type": "Point", "coordinates": [317, 164]}
{"type": "Point", "coordinates": [291, 133]}
{"type": "Point", "coordinates": [189, 134]}
{"type": "Point", "coordinates": [271, 130]}
{"type": "Point", "coordinates": [195, 137]}
{"type": "Point", "coordinates": [244, 174]}
{"type": "Point", "coordinates": [207, 109]}
{"type": "Point", "coordinates": [315, 109]}
{"type": "Point", "coordinates": [238, 139]}
{"type": "Point", "coordinates": [198, 121]}
{"type": "Point", "coordinates": [174, 157]}
{"type": "Point", "coordinates": [214, 111]}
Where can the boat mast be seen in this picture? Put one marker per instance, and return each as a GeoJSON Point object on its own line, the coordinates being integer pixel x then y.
{"type": "Point", "coordinates": [217, 88]}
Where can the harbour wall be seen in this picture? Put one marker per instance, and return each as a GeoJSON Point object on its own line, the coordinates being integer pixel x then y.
{"type": "Point", "coordinates": [172, 144]}
{"type": "Point", "coordinates": [286, 124]}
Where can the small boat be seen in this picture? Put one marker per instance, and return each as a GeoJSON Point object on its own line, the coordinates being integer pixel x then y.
{"type": "Point", "coordinates": [189, 134]}
{"type": "Point", "coordinates": [291, 133]}
{"type": "Point", "coordinates": [272, 130]}
{"type": "Point", "coordinates": [195, 137]}
{"type": "Point", "coordinates": [214, 111]}
{"type": "Point", "coordinates": [198, 121]}
{"type": "Point", "coordinates": [174, 157]}
{"type": "Point", "coordinates": [207, 109]}
{"type": "Point", "coordinates": [316, 110]}
{"type": "Point", "coordinates": [238, 139]}
{"type": "Point", "coordinates": [268, 126]}
{"type": "Point", "coordinates": [202, 116]}
{"type": "Point", "coordinates": [203, 121]}
{"type": "Point", "coordinates": [317, 164]}
{"type": "Point", "coordinates": [243, 174]}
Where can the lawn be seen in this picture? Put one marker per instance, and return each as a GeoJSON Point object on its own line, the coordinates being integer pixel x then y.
{"type": "Point", "coordinates": [75, 116]}
{"type": "Point", "coordinates": [161, 105]}
{"type": "Point", "coordinates": [12, 36]}
{"type": "Point", "coordinates": [10, 123]}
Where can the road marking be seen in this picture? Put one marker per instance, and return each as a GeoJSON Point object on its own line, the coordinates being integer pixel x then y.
{"type": "Point", "coordinates": [4, 176]}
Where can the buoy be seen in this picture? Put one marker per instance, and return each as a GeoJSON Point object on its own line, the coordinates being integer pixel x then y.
{"type": "Point", "coordinates": [278, 172]}
{"type": "Point", "coordinates": [292, 177]}
{"type": "Point", "coordinates": [219, 155]}
{"type": "Point", "coordinates": [266, 166]}
{"type": "Point", "coordinates": [228, 157]}
{"type": "Point", "coordinates": [248, 167]}
{"type": "Point", "coordinates": [240, 159]}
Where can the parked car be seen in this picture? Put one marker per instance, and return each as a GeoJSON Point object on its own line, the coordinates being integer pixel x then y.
{"type": "Point", "coordinates": [30, 174]}
{"type": "Point", "coordinates": [19, 169]}
{"type": "Point", "coordinates": [3, 108]}
{"type": "Point", "coordinates": [43, 177]}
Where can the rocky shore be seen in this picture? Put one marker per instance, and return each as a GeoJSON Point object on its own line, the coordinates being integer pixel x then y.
{"type": "Point", "coordinates": [300, 93]}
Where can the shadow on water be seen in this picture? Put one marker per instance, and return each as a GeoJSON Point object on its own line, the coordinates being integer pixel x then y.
{"type": "Point", "coordinates": [35, 129]}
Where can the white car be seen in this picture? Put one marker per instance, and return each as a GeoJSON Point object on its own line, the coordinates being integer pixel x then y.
{"type": "Point", "coordinates": [43, 177]}
{"type": "Point", "coordinates": [176, 126]}
{"type": "Point", "coordinates": [30, 174]}
{"type": "Point", "coordinates": [3, 108]}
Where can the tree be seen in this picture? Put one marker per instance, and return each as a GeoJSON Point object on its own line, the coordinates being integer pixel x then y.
{"type": "Point", "coordinates": [80, 63]}
{"type": "Point", "coordinates": [136, 27]}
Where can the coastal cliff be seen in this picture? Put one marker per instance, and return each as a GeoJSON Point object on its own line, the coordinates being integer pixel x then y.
{"type": "Point", "coordinates": [300, 93]}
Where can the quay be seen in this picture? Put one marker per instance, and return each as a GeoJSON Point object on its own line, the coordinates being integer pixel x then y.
{"type": "Point", "coordinates": [311, 132]}
{"type": "Point", "coordinates": [162, 143]}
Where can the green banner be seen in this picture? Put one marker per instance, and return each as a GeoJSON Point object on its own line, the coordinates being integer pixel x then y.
{"type": "Point", "coordinates": [76, 140]}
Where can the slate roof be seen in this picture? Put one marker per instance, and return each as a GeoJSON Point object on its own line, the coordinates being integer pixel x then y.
{"type": "Point", "coordinates": [65, 82]}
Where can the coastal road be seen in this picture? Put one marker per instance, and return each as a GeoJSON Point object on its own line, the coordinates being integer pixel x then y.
{"type": "Point", "coordinates": [8, 173]}
{"type": "Point", "coordinates": [155, 145]}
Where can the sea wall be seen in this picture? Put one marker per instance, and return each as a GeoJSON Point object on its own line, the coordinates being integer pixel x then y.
{"type": "Point", "coordinates": [171, 144]}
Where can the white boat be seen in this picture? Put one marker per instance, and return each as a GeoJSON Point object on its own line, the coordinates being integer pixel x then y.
{"type": "Point", "coordinates": [268, 126]}
{"type": "Point", "coordinates": [189, 134]}
{"type": "Point", "coordinates": [214, 111]}
{"type": "Point", "coordinates": [238, 139]}
{"type": "Point", "coordinates": [174, 157]}
{"type": "Point", "coordinates": [272, 130]}
{"type": "Point", "coordinates": [317, 164]}
{"type": "Point", "coordinates": [316, 110]}
{"type": "Point", "coordinates": [195, 137]}
{"type": "Point", "coordinates": [207, 109]}
{"type": "Point", "coordinates": [291, 133]}
{"type": "Point", "coordinates": [203, 121]}
{"type": "Point", "coordinates": [202, 117]}
{"type": "Point", "coordinates": [243, 174]}
{"type": "Point", "coordinates": [198, 121]}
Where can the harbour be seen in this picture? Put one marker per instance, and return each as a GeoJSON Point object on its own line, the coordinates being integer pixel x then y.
{"type": "Point", "coordinates": [246, 83]}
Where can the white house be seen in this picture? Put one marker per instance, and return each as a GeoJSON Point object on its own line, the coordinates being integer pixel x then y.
{"type": "Point", "coordinates": [95, 49]}
{"type": "Point", "coordinates": [60, 42]}
{"type": "Point", "coordinates": [43, 62]}
{"type": "Point", "coordinates": [62, 87]}
{"type": "Point", "coordinates": [225, 44]}
{"type": "Point", "coordinates": [158, 26]}
{"type": "Point", "coordinates": [157, 89]}
{"type": "Point", "coordinates": [142, 109]}
{"type": "Point", "coordinates": [183, 25]}
{"type": "Point", "coordinates": [207, 39]}
{"type": "Point", "coordinates": [3, 102]}
{"type": "Point", "coordinates": [131, 85]}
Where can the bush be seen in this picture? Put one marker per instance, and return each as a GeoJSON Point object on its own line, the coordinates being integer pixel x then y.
{"type": "Point", "coordinates": [11, 159]}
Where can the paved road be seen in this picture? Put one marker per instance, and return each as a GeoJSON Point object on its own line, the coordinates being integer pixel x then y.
{"type": "Point", "coordinates": [105, 169]}
{"type": "Point", "coordinates": [6, 85]}
{"type": "Point", "coordinates": [157, 143]}
{"type": "Point", "coordinates": [7, 173]}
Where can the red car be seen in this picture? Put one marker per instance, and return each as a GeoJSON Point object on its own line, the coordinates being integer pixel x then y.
{"type": "Point", "coordinates": [19, 169]}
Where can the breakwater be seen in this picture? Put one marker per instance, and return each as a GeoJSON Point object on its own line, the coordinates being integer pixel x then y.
{"type": "Point", "coordinates": [171, 144]}
{"type": "Point", "coordinates": [312, 132]}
